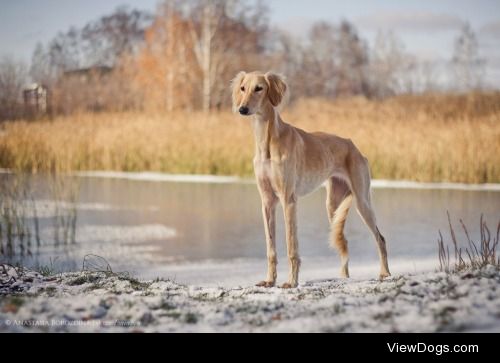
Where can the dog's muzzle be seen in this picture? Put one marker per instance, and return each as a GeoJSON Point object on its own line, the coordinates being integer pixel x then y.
{"type": "Point", "coordinates": [244, 111]}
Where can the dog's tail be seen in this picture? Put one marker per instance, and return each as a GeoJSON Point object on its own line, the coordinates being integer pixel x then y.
{"type": "Point", "coordinates": [337, 239]}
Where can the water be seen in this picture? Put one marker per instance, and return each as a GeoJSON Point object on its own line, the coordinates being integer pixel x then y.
{"type": "Point", "coordinates": [211, 233]}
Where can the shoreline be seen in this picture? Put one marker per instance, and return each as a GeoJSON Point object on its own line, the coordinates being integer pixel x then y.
{"type": "Point", "coordinates": [221, 179]}
{"type": "Point", "coordinates": [87, 301]}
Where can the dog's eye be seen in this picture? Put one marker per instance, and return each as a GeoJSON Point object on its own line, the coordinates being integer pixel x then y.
{"type": "Point", "coordinates": [242, 89]}
{"type": "Point", "coordinates": [258, 89]}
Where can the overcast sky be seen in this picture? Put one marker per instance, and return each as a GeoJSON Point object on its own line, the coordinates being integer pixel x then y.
{"type": "Point", "coordinates": [427, 27]}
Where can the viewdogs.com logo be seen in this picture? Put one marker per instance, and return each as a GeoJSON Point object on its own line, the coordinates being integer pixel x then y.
{"type": "Point", "coordinates": [438, 349]}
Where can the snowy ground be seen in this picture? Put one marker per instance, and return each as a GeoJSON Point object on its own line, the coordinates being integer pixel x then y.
{"type": "Point", "coordinates": [217, 179]}
{"type": "Point", "coordinates": [99, 302]}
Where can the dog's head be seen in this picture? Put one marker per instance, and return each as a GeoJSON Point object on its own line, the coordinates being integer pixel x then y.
{"type": "Point", "coordinates": [252, 92]}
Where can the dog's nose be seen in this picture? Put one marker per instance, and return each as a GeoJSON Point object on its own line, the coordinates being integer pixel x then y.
{"type": "Point", "coordinates": [244, 110]}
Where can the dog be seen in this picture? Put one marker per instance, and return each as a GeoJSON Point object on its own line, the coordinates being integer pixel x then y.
{"type": "Point", "coordinates": [290, 163]}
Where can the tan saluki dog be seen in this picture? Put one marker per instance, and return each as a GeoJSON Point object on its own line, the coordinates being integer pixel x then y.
{"type": "Point", "coordinates": [290, 163]}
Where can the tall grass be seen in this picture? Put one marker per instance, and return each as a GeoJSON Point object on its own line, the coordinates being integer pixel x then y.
{"type": "Point", "coordinates": [20, 223]}
{"type": "Point", "coordinates": [474, 255]}
{"type": "Point", "coordinates": [422, 138]}
{"type": "Point", "coordinates": [65, 192]}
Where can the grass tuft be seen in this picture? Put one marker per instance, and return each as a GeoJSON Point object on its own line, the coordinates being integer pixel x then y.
{"type": "Point", "coordinates": [475, 255]}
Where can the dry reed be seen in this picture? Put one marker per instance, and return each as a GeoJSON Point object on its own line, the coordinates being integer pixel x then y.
{"type": "Point", "coordinates": [422, 138]}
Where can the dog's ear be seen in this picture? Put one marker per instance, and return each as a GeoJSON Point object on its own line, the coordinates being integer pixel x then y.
{"type": "Point", "coordinates": [277, 88]}
{"type": "Point", "coordinates": [236, 93]}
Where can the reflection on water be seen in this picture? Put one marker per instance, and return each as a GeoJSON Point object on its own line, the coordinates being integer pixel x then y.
{"type": "Point", "coordinates": [147, 226]}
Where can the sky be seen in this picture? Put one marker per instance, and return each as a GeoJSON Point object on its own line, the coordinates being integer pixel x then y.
{"type": "Point", "coordinates": [426, 27]}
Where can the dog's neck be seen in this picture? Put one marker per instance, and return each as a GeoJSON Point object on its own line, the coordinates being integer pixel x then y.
{"type": "Point", "coordinates": [267, 126]}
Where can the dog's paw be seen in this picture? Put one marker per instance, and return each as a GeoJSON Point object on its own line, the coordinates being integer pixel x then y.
{"type": "Point", "coordinates": [384, 275]}
{"type": "Point", "coordinates": [288, 285]}
{"type": "Point", "coordinates": [265, 284]}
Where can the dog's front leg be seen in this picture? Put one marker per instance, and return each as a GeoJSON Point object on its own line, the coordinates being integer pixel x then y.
{"type": "Point", "coordinates": [289, 204]}
{"type": "Point", "coordinates": [269, 201]}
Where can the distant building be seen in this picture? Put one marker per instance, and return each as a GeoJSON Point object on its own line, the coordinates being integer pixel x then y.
{"type": "Point", "coordinates": [85, 75]}
{"type": "Point", "coordinates": [35, 99]}
{"type": "Point", "coordinates": [85, 89]}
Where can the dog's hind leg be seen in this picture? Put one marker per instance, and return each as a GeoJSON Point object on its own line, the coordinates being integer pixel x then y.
{"type": "Point", "coordinates": [338, 202]}
{"type": "Point", "coordinates": [360, 181]}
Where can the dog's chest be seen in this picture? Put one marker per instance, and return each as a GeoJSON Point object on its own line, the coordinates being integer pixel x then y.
{"type": "Point", "coordinates": [265, 172]}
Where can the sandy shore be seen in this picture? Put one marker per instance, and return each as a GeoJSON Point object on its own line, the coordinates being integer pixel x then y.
{"type": "Point", "coordinates": [100, 302]}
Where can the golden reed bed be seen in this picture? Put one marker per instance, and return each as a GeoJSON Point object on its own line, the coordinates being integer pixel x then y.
{"type": "Point", "coordinates": [422, 138]}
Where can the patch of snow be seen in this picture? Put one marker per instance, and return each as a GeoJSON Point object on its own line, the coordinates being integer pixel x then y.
{"type": "Point", "coordinates": [146, 232]}
{"type": "Point", "coordinates": [226, 273]}
{"type": "Point", "coordinates": [376, 183]}
{"type": "Point", "coordinates": [216, 179]}
{"type": "Point", "coordinates": [98, 302]}
{"type": "Point", "coordinates": [161, 177]}
{"type": "Point", "coordinates": [43, 208]}
{"type": "Point", "coordinates": [403, 184]}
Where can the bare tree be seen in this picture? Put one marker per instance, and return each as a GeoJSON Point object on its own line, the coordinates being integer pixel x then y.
{"type": "Point", "coordinates": [221, 32]}
{"type": "Point", "coordinates": [421, 76]}
{"type": "Point", "coordinates": [203, 30]}
{"type": "Point", "coordinates": [78, 66]}
{"type": "Point", "coordinates": [41, 69]}
{"type": "Point", "coordinates": [104, 41]}
{"type": "Point", "coordinates": [65, 52]}
{"type": "Point", "coordinates": [333, 61]}
{"type": "Point", "coordinates": [287, 55]}
{"type": "Point", "coordinates": [169, 8]}
{"type": "Point", "coordinates": [390, 66]}
{"type": "Point", "coordinates": [166, 70]}
{"type": "Point", "coordinates": [468, 65]}
{"type": "Point", "coordinates": [193, 48]}
{"type": "Point", "coordinates": [320, 60]}
{"type": "Point", "coordinates": [13, 77]}
{"type": "Point", "coordinates": [352, 62]}
{"type": "Point", "coordinates": [99, 43]}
